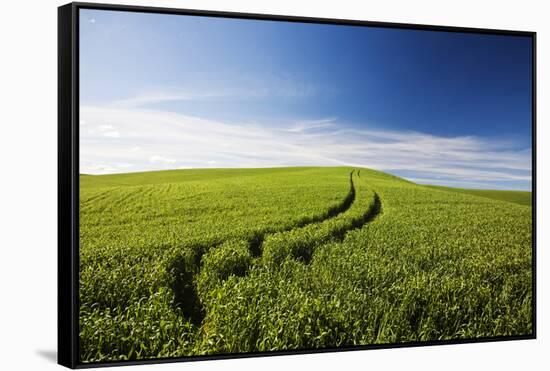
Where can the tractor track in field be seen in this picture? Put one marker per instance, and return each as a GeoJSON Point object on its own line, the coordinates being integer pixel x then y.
{"type": "Point", "coordinates": [304, 251]}
{"type": "Point", "coordinates": [184, 279]}
{"type": "Point", "coordinates": [255, 244]}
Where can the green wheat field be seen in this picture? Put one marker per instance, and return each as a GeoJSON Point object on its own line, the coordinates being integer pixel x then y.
{"type": "Point", "coordinates": [215, 261]}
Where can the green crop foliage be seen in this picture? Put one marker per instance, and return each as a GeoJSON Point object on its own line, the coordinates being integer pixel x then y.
{"type": "Point", "coordinates": [518, 197]}
{"type": "Point", "coordinates": [299, 243]}
{"type": "Point", "coordinates": [192, 262]}
{"type": "Point", "coordinates": [232, 258]}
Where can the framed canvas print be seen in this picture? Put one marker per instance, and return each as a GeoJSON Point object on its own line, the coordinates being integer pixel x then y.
{"type": "Point", "coordinates": [235, 185]}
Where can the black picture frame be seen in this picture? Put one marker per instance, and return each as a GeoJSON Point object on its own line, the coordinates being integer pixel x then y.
{"type": "Point", "coordinates": [68, 176]}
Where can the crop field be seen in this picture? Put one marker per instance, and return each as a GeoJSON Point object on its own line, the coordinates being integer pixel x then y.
{"type": "Point", "coordinates": [214, 261]}
{"type": "Point", "coordinates": [518, 197]}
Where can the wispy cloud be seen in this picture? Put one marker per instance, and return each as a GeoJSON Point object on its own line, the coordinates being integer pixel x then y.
{"type": "Point", "coordinates": [112, 134]}
{"type": "Point", "coordinates": [155, 140]}
{"type": "Point", "coordinates": [304, 126]}
{"type": "Point", "coordinates": [105, 127]}
{"type": "Point", "coordinates": [95, 168]}
{"type": "Point", "coordinates": [105, 130]}
{"type": "Point", "coordinates": [245, 87]}
{"type": "Point", "coordinates": [158, 159]}
{"type": "Point", "coordinates": [160, 97]}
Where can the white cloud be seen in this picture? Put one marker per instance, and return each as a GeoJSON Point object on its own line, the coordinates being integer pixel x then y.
{"type": "Point", "coordinates": [159, 140]}
{"type": "Point", "coordinates": [124, 166]}
{"type": "Point", "coordinates": [112, 134]}
{"type": "Point", "coordinates": [304, 126]}
{"type": "Point", "coordinates": [157, 159]}
{"type": "Point", "coordinates": [103, 130]}
{"type": "Point", "coordinates": [159, 97]}
{"type": "Point", "coordinates": [105, 127]}
{"type": "Point", "coordinates": [247, 87]}
{"type": "Point", "coordinates": [96, 169]}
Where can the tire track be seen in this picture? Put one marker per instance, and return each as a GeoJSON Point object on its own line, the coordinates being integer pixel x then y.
{"type": "Point", "coordinates": [234, 258]}
{"type": "Point", "coordinates": [256, 242]}
{"type": "Point", "coordinates": [185, 269]}
{"type": "Point", "coordinates": [300, 243]}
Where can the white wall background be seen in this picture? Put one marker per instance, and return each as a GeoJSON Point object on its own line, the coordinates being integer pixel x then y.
{"type": "Point", "coordinates": [28, 155]}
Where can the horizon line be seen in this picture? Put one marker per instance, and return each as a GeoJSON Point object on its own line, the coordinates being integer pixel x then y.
{"type": "Point", "coordinates": [303, 166]}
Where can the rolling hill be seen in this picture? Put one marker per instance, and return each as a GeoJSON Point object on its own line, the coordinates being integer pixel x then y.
{"type": "Point", "coordinates": [210, 261]}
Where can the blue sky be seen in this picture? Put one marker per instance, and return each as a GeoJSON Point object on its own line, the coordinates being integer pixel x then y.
{"type": "Point", "coordinates": [166, 91]}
